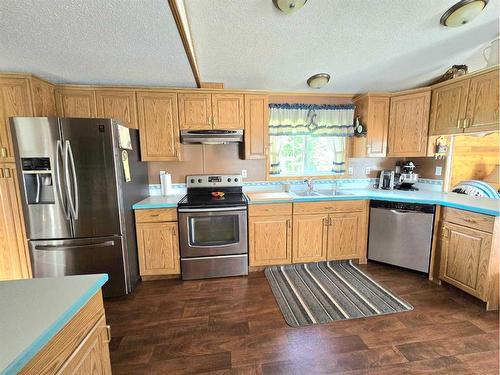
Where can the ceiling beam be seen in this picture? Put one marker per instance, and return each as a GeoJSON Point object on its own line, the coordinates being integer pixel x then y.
{"type": "Point", "coordinates": [180, 17]}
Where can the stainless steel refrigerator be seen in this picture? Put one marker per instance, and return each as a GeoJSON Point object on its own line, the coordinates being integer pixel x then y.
{"type": "Point", "coordinates": [77, 197]}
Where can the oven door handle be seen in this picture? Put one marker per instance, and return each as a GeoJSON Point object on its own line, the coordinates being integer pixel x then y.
{"type": "Point", "coordinates": [219, 209]}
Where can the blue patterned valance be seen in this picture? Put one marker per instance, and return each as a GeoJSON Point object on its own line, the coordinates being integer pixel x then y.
{"type": "Point", "coordinates": [325, 120]}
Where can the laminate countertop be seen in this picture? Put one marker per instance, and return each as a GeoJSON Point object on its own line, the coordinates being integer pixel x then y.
{"type": "Point", "coordinates": [486, 206]}
{"type": "Point", "coordinates": [33, 311]}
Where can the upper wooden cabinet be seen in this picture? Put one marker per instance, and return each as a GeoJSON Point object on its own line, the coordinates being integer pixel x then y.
{"type": "Point", "coordinates": [482, 103]}
{"type": "Point", "coordinates": [14, 259]}
{"type": "Point", "coordinates": [373, 111]}
{"type": "Point", "coordinates": [44, 100]}
{"type": "Point", "coordinates": [256, 126]}
{"type": "Point", "coordinates": [409, 123]}
{"type": "Point", "coordinates": [72, 102]}
{"type": "Point", "coordinates": [211, 111]}
{"type": "Point", "coordinates": [227, 111]}
{"type": "Point", "coordinates": [466, 104]}
{"type": "Point", "coordinates": [195, 111]}
{"type": "Point", "coordinates": [158, 126]}
{"type": "Point", "coordinates": [118, 104]}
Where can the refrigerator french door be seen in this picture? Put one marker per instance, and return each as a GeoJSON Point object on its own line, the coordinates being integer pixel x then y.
{"type": "Point", "coordinates": [77, 203]}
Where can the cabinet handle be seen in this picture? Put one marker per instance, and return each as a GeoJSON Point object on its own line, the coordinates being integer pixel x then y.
{"type": "Point", "coordinates": [213, 121]}
{"type": "Point", "coordinates": [330, 221]}
{"type": "Point", "coordinates": [469, 220]}
{"type": "Point", "coordinates": [467, 123]}
{"type": "Point", "coordinates": [289, 223]}
{"type": "Point", "coordinates": [108, 332]}
{"type": "Point", "coordinates": [459, 124]}
{"type": "Point", "coordinates": [446, 233]}
{"type": "Point", "coordinates": [4, 152]}
{"type": "Point", "coordinates": [1, 172]}
{"type": "Point", "coordinates": [7, 172]}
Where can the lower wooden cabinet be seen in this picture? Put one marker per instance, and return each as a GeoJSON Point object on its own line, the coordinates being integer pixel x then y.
{"type": "Point", "coordinates": [347, 236]}
{"type": "Point", "coordinates": [14, 258]}
{"type": "Point", "coordinates": [80, 347]}
{"type": "Point", "coordinates": [157, 242]}
{"type": "Point", "coordinates": [310, 238]}
{"type": "Point", "coordinates": [469, 256]}
{"type": "Point", "coordinates": [270, 240]}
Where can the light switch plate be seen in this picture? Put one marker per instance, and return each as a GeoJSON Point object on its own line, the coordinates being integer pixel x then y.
{"type": "Point", "coordinates": [244, 173]}
{"type": "Point", "coordinates": [350, 171]}
{"type": "Point", "coordinates": [367, 170]}
{"type": "Point", "coordinates": [438, 171]}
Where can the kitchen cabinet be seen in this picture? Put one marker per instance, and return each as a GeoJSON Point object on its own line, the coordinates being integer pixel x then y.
{"type": "Point", "coordinates": [347, 234]}
{"type": "Point", "coordinates": [76, 102]}
{"type": "Point", "coordinates": [466, 104]}
{"type": "Point", "coordinates": [157, 242]}
{"type": "Point", "coordinates": [195, 111]}
{"type": "Point", "coordinates": [211, 111]}
{"type": "Point", "coordinates": [468, 248]}
{"type": "Point", "coordinates": [409, 123]}
{"type": "Point", "coordinates": [14, 258]}
{"type": "Point", "coordinates": [44, 99]}
{"type": "Point", "coordinates": [270, 234]}
{"type": "Point", "coordinates": [373, 112]}
{"type": "Point", "coordinates": [158, 126]}
{"type": "Point", "coordinates": [310, 238]}
{"type": "Point", "coordinates": [118, 104]}
{"type": "Point", "coordinates": [80, 347]}
{"type": "Point", "coordinates": [256, 126]}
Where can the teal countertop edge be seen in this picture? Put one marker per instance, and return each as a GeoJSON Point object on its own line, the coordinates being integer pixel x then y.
{"type": "Point", "coordinates": [365, 195]}
{"type": "Point", "coordinates": [30, 352]}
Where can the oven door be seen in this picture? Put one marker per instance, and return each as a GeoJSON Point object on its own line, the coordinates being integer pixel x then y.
{"type": "Point", "coordinates": [212, 231]}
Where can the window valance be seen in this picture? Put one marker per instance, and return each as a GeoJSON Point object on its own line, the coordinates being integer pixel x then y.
{"type": "Point", "coordinates": [311, 119]}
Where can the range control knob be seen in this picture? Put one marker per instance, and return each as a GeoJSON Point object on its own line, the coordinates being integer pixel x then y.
{"type": "Point", "coordinates": [228, 180]}
{"type": "Point", "coordinates": [199, 180]}
{"type": "Point", "coordinates": [235, 180]}
{"type": "Point", "coordinates": [192, 180]}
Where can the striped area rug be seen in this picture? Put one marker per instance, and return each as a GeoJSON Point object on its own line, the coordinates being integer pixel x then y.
{"type": "Point", "coordinates": [314, 293]}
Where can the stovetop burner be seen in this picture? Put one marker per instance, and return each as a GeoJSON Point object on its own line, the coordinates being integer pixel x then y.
{"type": "Point", "coordinates": [207, 200]}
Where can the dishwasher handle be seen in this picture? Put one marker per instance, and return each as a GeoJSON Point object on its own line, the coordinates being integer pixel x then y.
{"type": "Point", "coordinates": [402, 212]}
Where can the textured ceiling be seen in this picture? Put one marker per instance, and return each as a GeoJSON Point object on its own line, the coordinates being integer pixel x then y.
{"type": "Point", "coordinates": [364, 45]}
{"type": "Point", "coordinates": [93, 41]}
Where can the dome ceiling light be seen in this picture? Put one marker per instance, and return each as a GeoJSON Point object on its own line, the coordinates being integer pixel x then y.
{"type": "Point", "coordinates": [319, 80]}
{"type": "Point", "coordinates": [289, 6]}
{"type": "Point", "coordinates": [462, 12]}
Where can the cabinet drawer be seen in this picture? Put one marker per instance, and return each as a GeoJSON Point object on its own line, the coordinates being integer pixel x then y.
{"type": "Point", "coordinates": [274, 209]}
{"type": "Point", "coordinates": [156, 215]}
{"type": "Point", "coordinates": [325, 207]}
{"type": "Point", "coordinates": [469, 219]}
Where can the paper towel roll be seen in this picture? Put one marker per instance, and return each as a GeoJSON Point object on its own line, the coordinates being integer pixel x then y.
{"type": "Point", "coordinates": [166, 183]}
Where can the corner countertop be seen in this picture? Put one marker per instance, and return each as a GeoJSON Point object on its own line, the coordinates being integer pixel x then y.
{"type": "Point", "coordinates": [486, 206]}
{"type": "Point", "coordinates": [33, 311]}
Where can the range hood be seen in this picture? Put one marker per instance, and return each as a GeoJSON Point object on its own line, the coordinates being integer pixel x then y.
{"type": "Point", "coordinates": [211, 137]}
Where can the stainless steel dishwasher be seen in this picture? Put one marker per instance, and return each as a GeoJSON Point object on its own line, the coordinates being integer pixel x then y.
{"type": "Point", "coordinates": [401, 234]}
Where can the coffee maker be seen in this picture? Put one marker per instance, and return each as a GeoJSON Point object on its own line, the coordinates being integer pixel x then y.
{"type": "Point", "coordinates": [405, 176]}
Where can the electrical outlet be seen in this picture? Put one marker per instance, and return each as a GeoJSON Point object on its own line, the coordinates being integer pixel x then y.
{"type": "Point", "coordinates": [350, 171]}
{"type": "Point", "coordinates": [438, 171]}
{"type": "Point", "coordinates": [367, 170]}
{"type": "Point", "coordinates": [244, 173]}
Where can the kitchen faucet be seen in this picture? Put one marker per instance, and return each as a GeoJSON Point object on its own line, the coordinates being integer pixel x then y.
{"type": "Point", "coordinates": [310, 184]}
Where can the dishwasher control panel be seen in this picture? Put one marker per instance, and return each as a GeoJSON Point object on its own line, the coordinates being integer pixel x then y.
{"type": "Point", "coordinates": [404, 206]}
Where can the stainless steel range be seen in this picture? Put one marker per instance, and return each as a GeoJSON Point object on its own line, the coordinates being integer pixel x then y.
{"type": "Point", "coordinates": [213, 227]}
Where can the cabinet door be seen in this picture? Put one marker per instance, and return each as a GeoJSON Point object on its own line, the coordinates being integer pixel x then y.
{"type": "Point", "coordinates": [408, 124]}
{"type": "Point", "coordinates": [14, 101]}
{"type": "Point", "coordinates": [465, 257]}
{"type": "Point", "coordinates": [44, 99]}
{"type": "Point", "coordinates": [310, 235]}
{"type": "Point", "coordinates": [256, 126]}
{"type": "Point", "coordinates": [158, 126]}
{"type": "Point", "coordinates": [377, 126]}
{"type": "Point", "coordinates": [346, 234]}
{"type": "Point", "coordinates": [227, 111]}
{"type": "Point", "coordinates": [76, 103]}
{"type": "Point", "coordinates": [158, 247]}
{"type": "Point", "coordinates": [92, 355]}
{"type": "Point", "coordinates": [483, 102]}
{"type": "Point", "coordinates": [195, 111]}
{"type": "Point", "coordinates": [118, 104]}
{"type": "Point", "coordinates": [270, 240]}
{"type": "Point", "coordinates": [448, 108]}
{"type": "Point", "coordinates": [14, 259]}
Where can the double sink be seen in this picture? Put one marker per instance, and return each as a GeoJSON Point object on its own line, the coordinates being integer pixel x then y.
{"type": "Point", "coordinates": [319, 193]}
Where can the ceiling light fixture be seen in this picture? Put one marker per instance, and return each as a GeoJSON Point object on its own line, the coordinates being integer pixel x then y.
{"type": "Point", "coordinates": [319, 80]}
{"type": "Point", "coordinates": [289, 6]}
{"type": "Point", "coordinates": [462, 12]}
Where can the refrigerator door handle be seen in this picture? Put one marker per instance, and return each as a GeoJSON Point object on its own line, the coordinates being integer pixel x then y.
{"type": "Point", "coordinates": [68, 154]}
{"type": "Point", "coordinates": [59, 152]}
{"type": "Point", "coordinates": [71, 247]}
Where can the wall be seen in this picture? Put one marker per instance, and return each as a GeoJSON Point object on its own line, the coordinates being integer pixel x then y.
{"type": "Point", "coordinates": [473, 158]}
{"type": "Point", "coordinates": [425, 166]}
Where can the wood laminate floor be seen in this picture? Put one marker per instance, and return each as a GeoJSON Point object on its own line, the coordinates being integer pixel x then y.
{"type": "Point", "coordinates": [234, 326]}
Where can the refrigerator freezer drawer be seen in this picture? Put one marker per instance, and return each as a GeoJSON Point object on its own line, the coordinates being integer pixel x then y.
{"type": "Point", "coordinates": [53, 258]}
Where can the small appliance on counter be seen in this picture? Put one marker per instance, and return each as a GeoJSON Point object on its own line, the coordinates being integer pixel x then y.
{"type": "Point", "coordinates": [386, 180]}
{"type": "Point", "coordinates": [213, 227]}
{"type": "Point", "coordinates": [405, 176]}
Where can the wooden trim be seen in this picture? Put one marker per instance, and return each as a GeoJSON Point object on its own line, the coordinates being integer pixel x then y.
{"type": "Point", "coordinates": [492, 283]}
{"type": "Point", "coordinates": [160, 277]}
{"type": "Point", "coordinates": [211, 85]}
{"type": "Point", "coordinates": [181, 27]}
{"type": "Point", "coordinates": [434, 262]}
{"type": "Point", "coordinates": [467, 76]}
